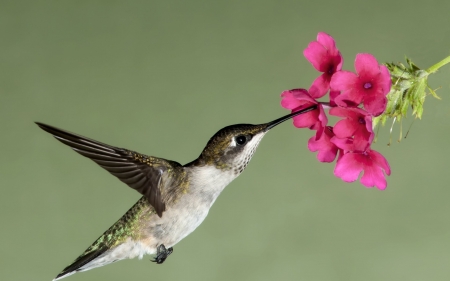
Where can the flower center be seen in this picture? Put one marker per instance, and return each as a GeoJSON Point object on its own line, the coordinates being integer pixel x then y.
{"type": "Point", "coordinates": [330, 69]}
{"type": "Point", "coordinates": [361, 120]}
{"type": "Point", "coordinates": [367, 85]}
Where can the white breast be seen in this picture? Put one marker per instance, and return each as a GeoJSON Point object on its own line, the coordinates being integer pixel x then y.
{"type": "Point", "coordinates": [188, 213]}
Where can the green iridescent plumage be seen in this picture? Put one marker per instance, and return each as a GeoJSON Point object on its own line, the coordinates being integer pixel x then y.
{"type": "Point", "coordinates": [126, 227]}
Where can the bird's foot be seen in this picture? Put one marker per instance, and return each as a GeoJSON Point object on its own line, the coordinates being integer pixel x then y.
{"type": "Point", "coordinates": [162, 253]}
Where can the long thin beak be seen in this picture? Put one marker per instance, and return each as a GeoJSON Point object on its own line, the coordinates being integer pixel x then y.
{"type": "Point", "coordinates": [272, 124]}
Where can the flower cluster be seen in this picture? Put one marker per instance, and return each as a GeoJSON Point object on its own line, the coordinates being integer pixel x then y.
{"type": "Point", "coordinates": [355, 97]}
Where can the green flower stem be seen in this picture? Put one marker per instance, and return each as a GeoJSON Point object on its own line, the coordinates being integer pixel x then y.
{"type": "Point", "coordinates": [434, 68]}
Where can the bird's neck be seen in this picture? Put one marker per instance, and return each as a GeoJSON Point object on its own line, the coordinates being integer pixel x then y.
{"type": "Point", "coordinates": [208, 181]}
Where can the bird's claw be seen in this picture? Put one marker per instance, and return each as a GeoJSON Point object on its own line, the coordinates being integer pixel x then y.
{"type": "Point", "coordinates": [162, 254]}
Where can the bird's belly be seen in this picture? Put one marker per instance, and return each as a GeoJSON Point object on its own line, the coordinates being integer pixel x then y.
{"type": "Point", "coordinates": [178, 221]}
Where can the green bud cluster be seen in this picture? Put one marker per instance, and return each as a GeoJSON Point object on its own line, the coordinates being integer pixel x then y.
{"type": "Point", "coordinates": [408, 91]}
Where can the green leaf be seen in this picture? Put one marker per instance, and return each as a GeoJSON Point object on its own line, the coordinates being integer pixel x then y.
{"type": "Point", "coordinates": [433, 93]}
{"type": "Point", "coordinates": [412, 65]}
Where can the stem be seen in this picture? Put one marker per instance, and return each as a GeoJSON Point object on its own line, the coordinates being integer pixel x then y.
{"type": "Point", "coordinates": [325, 104]}
{"type": "Point", "coordinates": [434, 68]}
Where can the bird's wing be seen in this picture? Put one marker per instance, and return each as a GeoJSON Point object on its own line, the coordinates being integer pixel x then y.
{"type": "Point", "coordinates": [143, 173]}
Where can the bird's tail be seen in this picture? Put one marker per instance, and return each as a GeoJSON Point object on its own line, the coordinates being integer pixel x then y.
{"type": "Point", "coordinates": [107, 248]}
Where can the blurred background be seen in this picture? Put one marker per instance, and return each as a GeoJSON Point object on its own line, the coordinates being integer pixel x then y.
{"type": "Point", "coordinates": [161, 77]}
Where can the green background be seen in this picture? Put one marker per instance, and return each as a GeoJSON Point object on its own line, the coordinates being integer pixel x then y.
{"type": "Point", "coordinates": [161, 77]}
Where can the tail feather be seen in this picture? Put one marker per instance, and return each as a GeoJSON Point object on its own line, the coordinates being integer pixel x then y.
{"type": "Point", "coordinates": [107, 248]}
{"type": "Point", "coordinates": [88, 256]}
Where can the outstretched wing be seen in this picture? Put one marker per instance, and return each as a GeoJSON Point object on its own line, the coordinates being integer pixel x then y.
{"type": "Point", "coordinates": [140, 172]}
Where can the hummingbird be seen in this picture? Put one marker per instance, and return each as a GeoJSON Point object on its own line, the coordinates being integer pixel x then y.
{"type": "Point", "coordinates": [175, 198]}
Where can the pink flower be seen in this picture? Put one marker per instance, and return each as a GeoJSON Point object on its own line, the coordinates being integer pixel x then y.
{"type": "Point", "coordinates": [370, 86]}
{"type": "Point", "coordinates": [326, 58]}
{"type": "Point", "coordinates": [372, 163]}
{"type": "Point", "coordinates": [350, 139]}
{"type": "Point", "coordinates": [321, 142]}
{"type": "Point", "coordinates": [298, 99]}
{"type": "Point", "coordinates": [357, 125]}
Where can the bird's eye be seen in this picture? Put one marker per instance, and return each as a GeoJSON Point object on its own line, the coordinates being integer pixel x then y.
{"type": "Point", "coordinates": [241, 139]}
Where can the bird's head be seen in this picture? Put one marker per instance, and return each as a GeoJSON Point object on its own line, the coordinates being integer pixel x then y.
{"type": "Point", "coordinates": [232, 147]}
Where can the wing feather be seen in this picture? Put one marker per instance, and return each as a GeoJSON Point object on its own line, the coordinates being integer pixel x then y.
{"type": "Point", "coordinates": [140, 172]}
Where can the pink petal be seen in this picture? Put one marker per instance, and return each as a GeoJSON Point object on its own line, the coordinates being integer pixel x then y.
{"type": "Point", "coordinates": [379, 160]}
{"type": "Point", "coordinates": [313, 142]}
{"type": "Point", "coordinates": [348, 168]}
{"type": "Point", "coordinates": [333, 95]}
{"type": "Point", "coordinates": [375, 104]}
{"type": "Point", "coordinates": [373, 176]}
{"type": "Point", "coordinates": [351, 98]}
{"type": "Point", "coordinates": [340, 60]}
{"type": "Point", "coordinates": [328, 155]}
{"type": "Point", "coordinates": [312, 120]}
{"type": "Point", "coordinates": [361, 142]}
{"type": "Point", "coordinates": [343, 80]}
{"type": "Point", "coordinates": [295, 98]}
{"type": "Point", "coordinates": [303, 95]}
{"type": "Point", "coordinates": [345, 128]}
{"type": "Point", "coordinates": [369, 128]}
{"type": "Point", "coordinates": [321, 142]}
{"type": "Point", "coordinates": [288, 100]}
{"type": "Point", "coordinates": [364, 135]}
{"type": "Point", "coordinates": [320, 86]}
{"type": "Point", "coordinates": [366, 66]}
{"type": "Point", "coordinates": [344, 144]}
{"type": "Point", "coordinates": [353, 113]}
{"type": "Point", "coordinates": [306, 120]}
{"type": "Point", "coordinates": [385, 79]}
{"type": "Point", "coordinates": [328, 42]}
{"type": "Point", "coordinates": [316, 54]}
